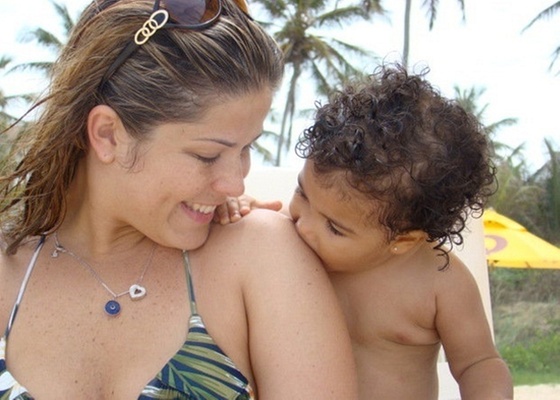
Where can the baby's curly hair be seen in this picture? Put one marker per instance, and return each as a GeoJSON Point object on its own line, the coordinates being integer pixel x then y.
{"type": "Point", "coordinates": [405, 146]}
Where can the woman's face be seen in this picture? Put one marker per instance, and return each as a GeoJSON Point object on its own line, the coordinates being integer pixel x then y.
{"type": "Point", "coordinates": [185, 170]}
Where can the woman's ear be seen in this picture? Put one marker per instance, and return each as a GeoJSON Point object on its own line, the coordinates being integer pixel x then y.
{"type": "Point", "coordinates": [406, 241]}
{"type": "Point", "coordinates": [103, 127]}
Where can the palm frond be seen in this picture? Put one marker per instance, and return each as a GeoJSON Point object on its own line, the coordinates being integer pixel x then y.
{"type": "Point", "coordinates": [4, 60]}
{"type": "Point", "coordinates": [373, 6]}
{"type": "Point", "coordinates": [495, 126]}
{"type": "Point", "coordinates": [555, 56]}
{"type": "Point", "coordinates": [553, 188]}
{"type": "Point", "coordinates": [63, 13]}
{"type": "Point", "coordinates": [469, 100]}
{"type": "Point", "coordinates": [44, 38]}
{"type": "Point", "coordinates": [274, 8]}
{"type": "Point", "coordinates": [324, 59]}
{"type": "Point", "coordinates": [41, 66]}
{"type": "Point", "coordinates": [545, 14]}
{"type": "Point", "coordinates": [346, 14]}
{"type": "Point", "coordinates": [431, 10]}
{"type": "Point", "coordinates": [322, 83]}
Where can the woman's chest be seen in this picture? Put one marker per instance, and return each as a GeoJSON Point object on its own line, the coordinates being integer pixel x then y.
{"type": "Point", "coordinates": [64, 345]}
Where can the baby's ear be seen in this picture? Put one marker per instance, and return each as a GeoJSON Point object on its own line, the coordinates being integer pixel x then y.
{"type": "Point", "coordinates": [103, 127]}
{"type": "Point", "coordinates": [406, 241]}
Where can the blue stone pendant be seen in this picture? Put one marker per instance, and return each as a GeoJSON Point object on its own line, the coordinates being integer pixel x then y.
{"type": "Point", "coordinates": [112, 308]}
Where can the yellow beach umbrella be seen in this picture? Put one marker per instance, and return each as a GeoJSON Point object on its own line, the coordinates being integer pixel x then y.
{"type": "Point", "coordinates": [509, 244]}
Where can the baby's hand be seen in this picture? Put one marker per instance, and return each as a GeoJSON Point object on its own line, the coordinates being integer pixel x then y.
{"type": "Point", "coordinates": [236, 208]}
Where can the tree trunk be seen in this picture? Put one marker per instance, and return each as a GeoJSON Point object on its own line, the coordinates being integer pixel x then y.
{"type": "Point", "coordinates": [406, 39]}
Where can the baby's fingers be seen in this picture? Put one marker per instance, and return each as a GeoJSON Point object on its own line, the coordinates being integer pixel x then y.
{"type": "Point", "coordinates": [274, 205]}
{"type": "Point", "coordinates": [228, 212]}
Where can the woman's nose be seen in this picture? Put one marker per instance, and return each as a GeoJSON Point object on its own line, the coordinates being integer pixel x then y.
{"type": "Point", "coordinates": [230, 181]}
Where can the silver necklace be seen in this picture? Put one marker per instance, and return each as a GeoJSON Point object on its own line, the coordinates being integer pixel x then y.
{"type": "Point", "coordinates": [136, 291]}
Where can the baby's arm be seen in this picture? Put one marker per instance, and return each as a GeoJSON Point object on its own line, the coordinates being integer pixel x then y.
{"type": "Point", "coordinates": [466, 337]}
{"type": "Point", "coordinates": [237, 207]}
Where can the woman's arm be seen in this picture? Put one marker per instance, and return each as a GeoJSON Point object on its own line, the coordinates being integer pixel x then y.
{"type": "Point", "coordinates": [298, 342]}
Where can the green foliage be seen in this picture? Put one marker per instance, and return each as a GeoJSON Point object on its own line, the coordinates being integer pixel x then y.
{"type": "Point", "coordinates": [526, 314]}
{"type": "Point", "coordinates": [5, 118]}
{"type": "Point", "coordinates": [513, 285]}
{"type": "Point", "coordinates": [539, 359]}
{"type": "Point", "coordinates": [548, 204]}
{"type": "Point", "coordinates": [534, 378]}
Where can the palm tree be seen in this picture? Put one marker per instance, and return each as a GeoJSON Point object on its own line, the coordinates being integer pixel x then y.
{"type": "Point", "coordinates": [468, 99]}
{"type": "Point", "coordinates": [533, 199]}
{"type": "Point", "coordinates": [548, 178]}
{"type": "Point", "coordinates": [431, 6]}
{"type": "Point", "coordinates": [296, 26]}
{"type": "Point", "coordinates": [45, 39]}
{"type": "Point", "coordinates": [553, 190]}
{"type": "Point", "coordinates": [5, 118]}
{"type": "Point", "coordinates": [48, 40]}
{"type": "Point", "coordinates": [517, 193]}
{"type": "Point", "coordinates": [545, 14]}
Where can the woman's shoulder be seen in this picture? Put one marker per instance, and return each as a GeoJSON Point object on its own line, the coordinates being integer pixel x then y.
{"type": "Point", "coordinates": [259, 226]}
{"type": "Point", "coordinates": [13, 266]}
{"type": "Point", "coordinates": [27, 244]}
{"type": "Point", "coordinates": [12, 271]}
{"type": "Point", "coordinates": [263, 219]}
{"type": "Point", "coordinates": [3, 242]}
{"type": "Point", "coordinates": [263, 243]}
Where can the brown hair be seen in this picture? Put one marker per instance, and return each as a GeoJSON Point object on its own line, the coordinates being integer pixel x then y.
{"type": "Point", "coordinates": [174, 77]}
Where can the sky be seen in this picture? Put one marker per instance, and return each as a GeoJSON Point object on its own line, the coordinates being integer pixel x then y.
{"type": "Point", "coordinates": [487, 51]}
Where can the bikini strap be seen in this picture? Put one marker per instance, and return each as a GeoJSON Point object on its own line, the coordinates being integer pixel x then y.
{"type": "Point", "coordinates": [23, 286]}
{"type": "Point", "coordinates": [192, 299]}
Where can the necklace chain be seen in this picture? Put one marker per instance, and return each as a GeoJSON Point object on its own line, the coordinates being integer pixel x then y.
{"type": "Point", "coordinates": [59, 248]}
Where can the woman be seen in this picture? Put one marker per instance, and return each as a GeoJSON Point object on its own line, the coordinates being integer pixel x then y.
{"type": "Point", "coordinates": [113, 283]}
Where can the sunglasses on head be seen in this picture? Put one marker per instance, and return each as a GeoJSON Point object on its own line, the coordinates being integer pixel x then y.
{"type": "Point", "coordinates": [176, 14]}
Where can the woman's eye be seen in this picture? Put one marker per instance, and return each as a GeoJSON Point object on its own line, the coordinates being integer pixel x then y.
{"type": "Point", "coordinates": [207, 160]}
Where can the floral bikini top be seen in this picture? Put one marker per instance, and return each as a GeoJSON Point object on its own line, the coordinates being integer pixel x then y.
{"type": "Point", "coordinates": [200, 370]}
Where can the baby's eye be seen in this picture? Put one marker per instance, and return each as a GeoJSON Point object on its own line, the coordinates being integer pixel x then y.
{"type": "Point", "coordinates": [299, 192]}
{"type": "Point", "coordinates": [333, 229]}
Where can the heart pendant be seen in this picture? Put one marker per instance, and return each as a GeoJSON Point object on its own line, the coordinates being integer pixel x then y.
{"type": "Point", "coordinates": [137, 292]}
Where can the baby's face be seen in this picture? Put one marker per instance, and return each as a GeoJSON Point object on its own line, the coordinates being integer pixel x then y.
{"type": "Point", "coordinates": [335, 222]}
